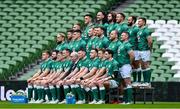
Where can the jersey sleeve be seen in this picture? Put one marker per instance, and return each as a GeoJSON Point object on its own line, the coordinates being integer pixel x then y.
{"type": "Point", "coordinates": [128, 47]}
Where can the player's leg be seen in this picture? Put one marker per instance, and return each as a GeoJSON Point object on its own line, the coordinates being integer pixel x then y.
{"type": "Point", "coordinates": [126, 75]}
{"type": "Point", "coordinates": [146, 67]}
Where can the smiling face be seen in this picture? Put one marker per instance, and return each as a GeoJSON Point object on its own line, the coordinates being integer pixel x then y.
{"type": "Point", "coordinates": [93, 54]}
{"type": "Point", "coordinates": [99, 16]}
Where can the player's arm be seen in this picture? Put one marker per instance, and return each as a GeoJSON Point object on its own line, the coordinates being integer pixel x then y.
{"type": "Point", "coordinates": [35, 75]}
{"type": "Point", "coordinates": [99, 73]}
{"type": "Point", "coordinates": [91, 73]}
{"type": "Point", "coordinates": [149, 39]}
{"type": "Point", "coordinates": [72, 73]}
{"type": "Point", "coordinates": [43, 74]}
{"type": "Point", "coordinates": [82, 73]}
{"type": "Point", "coordinates": [131, 55]}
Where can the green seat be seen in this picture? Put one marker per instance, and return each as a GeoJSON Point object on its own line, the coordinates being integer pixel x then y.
{"type": "Point", "coordinates": [11, 54]}
{"type": "Point", "coordinates": [38, 14]}
{"type": "Point", "coordinates": [5, 50]}
{"type": "Point", "coordinates": [44, 18]}
{"type": "Point", "coordinates": [2, 29]}
{"type": "Point", "coordinates": [133, 6]}
{"type": "Point", "coordinates": [62, 14]}
{"type": "Point", "coordinates": [136, 14]}
{"type": "Point", "coordinates": [174, 2]}
{"type": "Point", "coordinates": [19, 10]}
{"type": "Point", "coordinates": [166, 18]}
{"type": "Point", "coordinates": [79, 10]}
{"type": "Point", "coordinates": [73, 6]}
{"type": "Point", "coordinates": [49, 30]}
{"type": "Point", "coordinates": [162, 2]}
{"type": "Point", "coordinates": [159, 14]}
{"type": "Point", "coordinates": [49, 14]}
{"type": "Point", "coordinates": [14, 14]}
{"type": "Point", "coordinates": [168, 63]}
{"type": "Point", "coordinates": [160, 79]}
{"type": "Point", "coordinates": [147, 14]}
{"type": "Point", "coordinates": [37, 30]}
{"type": "Point", "coordinates": [7, 25]}
{"type": "Point", "coordinates": [66, 2]}
{"type": "Point", "coordinates": [90, 2]}
{"type": "Point", "coordinates": [73, 14]}
{"type": "Point", "coordinates": [2, 38]}
{"type": "Point", "coordinates": [19, 26]}
{"type": "Point", "coordinates": [2, 46]}
{"type": "Point", "coordinates": [31, 25]}
{"type": "Point", "coordinates": [26, 22]}
{"type": "Point", "coordinates": [79, 18]}
{"type": "Point", "coordinates": [79, 2]}
{"type": "Point", "coordinates": [38, 6]}
{"type": "Point", "coordinates": [6, 42]}
{"type": "Point", "coordinates": [43, 10]}
{"type": "Point", "coordinates": [26, 6]}
{"type": "Point", "coordinates": [151, 2]}
{"type": "Point", "coordinates": [61, 22]}
{"type": "Point", "coordinates": [31, 18]}
{"type": "Point", "coordinates": [7, 10]}
{"type": "Point", "coordinates": [157, 63]}
{"type": "Point", "coordinates": [37, 38]}
{"type": "Point", "coordinates": [171, 15]}
{"type": "Point", "coordinates": [101, 2]}
{"type": "Point", "coordinates": [12, 29]}
{"type": "Point", "coordinates": [19, 42]}
{"type": "Point", "coordinates": [5, 58]}
{"type": "Point", "coordinates": [24, 46]}
{"type": "Point", "coordinates": [55, 26]}
{"type": "Point", "coordinates": [43, 2]}
{"type": "Point", "coordinates": [38, 46]}
{"type": "Point", "coordinates": [146, 6]}
{"type": "Point", "coordinates": [8, 2]}
{"type": "Point", "coordinates": [50, 22]}
{"type": "Point", "coordinates": [12, 38]}
{"type": "Point", "coordinates": [31, 42]}
{"type": "Point", "coordinates": [175, 10]}
{"type": "Point", "coordinates": [18, 50]}
{"type": "Point", "coordinates": [55, 10]}
{"type": "Point", "coordinates": [7, 18]}
{"type": "Point", "coordinates": [153, 67]}
{"type": "Point", "coordinates": [139, 2]}
{"type": "Point", "coordinates": [44, 25]}
{"type": "Point", "coordinates": [20, 2]}
{"type": "Point", "coordinates": [67, 10]}
{"type": "Point", "coordinates": [128, 10]}
{"type": "Point", "coordinates": [169, 6]}
{"type": "Point", "coordinates": [163, 67]}
{"type": "Point", "coordinates": [90, 10]}
{"type": "Point", "coordinates": [152, 10]}
{"type": "Point", "coordinates": [164, 10]}
{"type": "Point", "coordinates": [55, 18]}
{"type": "Point", "coordinates": [19, 34]}
{"type": "Point", "coordinates": [68, 26]}
{"type": "Point", "coordinates": [154, 18]}
{"type": "Point", "coordinates": [67, 18]}
{"type": "Point", "coordinates": [25, 29]}
{"type": "Point", "coordinates": [140, 10]}
{"type": "Point", "coordinates": [49, 6]}
{"type": "Point", "coordinates": [43, 42]}
{"type": "Point", "coordinates": [162, 59]}
{"type": "Point", "coordinates": [25, 38]}
{"type": "Point", "coordinates": [84, 6]}
{"type": "Point", "coordinates": [12, 46]}
{"type": "Point", "coordinates": [61, 6]}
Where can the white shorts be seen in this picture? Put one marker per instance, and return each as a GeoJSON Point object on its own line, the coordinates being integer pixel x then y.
{"type": "Point", "coordinates": [144, 55]}
{"type": "Point", "coordinates": [113, 83]}
{"type": "Point", "coordinates": [136, 55]}
{"type": "Point", "coordinates": [125, 71]}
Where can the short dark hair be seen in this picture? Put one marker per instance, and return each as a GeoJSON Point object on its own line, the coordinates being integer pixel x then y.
{"type": "Point", "coordinates": [143, 18]}
{"type": "Point", "coordinates": [89, 15]}
{"type": "Point", "coordinates": [101, 27]}
{"type": "Point", "coordinates": [68, 50]}
{"type": "Point", "coordinates": [134, 18]}
{"type": "Point", "coordinates": [55, 51]}
{"type": "Point", "coordinates": [78, 31]}
{"type": "Point", "coordinates": [82, 49]}
{"type": "Point", "coordinates": [110, 52]}
{"type": "Point", "coordinates": [122, 14]}
{"type": "Point", "coordinates": [95, 50]}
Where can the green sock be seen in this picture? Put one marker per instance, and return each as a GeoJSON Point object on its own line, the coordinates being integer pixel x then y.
{"type": "Point", "coordinates": [129, 93]}
{"type": "Point", "coordinates": [102, 93]}
{"type": "Point", "coordinates": [73, 90]}
{"type": "Point", "coordinates": [43, 93]}
{"type": "Point", "coordinates": [125, 95]}
{"type": "Point", "coordinates": [84, 93]}
{"type": "Point", "coordinates": [139, 75]}
{"type": "Point", "coordinates": [79, 93]}
{"type": "Point", "coordinates": [35, 93]}
{"type": "Point", "coordinates": [148, 75]}
{"type": "Point", "coordinates": [134, 73]}
{"type": "Point", "coordinates": [47, 90]}
{"type": "Point", "coordinates": [95, 93]}
{"type": "Point", "coordinates": [66, 90]}
{"type": "Point", "coordinates": [30, 92]}
{"type": "Point", "coordinates": [59, 93]}
{"type": "Point", "coordinates": [53, 92]}
{"type": "Point", "coordinates": [145, 75]}
{"type": "Point", "coordinates": [39, 92]}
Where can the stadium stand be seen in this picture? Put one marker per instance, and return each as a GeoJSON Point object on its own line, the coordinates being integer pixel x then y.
{"type": "Point", "coordinates": [28, 27]}
{"type": "Point", "coordinates": [163, 18]}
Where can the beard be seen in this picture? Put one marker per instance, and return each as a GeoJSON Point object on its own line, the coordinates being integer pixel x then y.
{"type": "Point", "coordinates": [130, 24]}
{"type": "Point", "coordinates": [110, 20]}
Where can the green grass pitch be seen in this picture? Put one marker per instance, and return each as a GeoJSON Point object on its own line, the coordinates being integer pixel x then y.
{"type": "Point", "coordinates": [156, 105]}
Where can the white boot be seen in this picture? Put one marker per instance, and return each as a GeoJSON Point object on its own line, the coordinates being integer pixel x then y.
{"type": "Point", "coordinates": [100, 102]}
{"type": "Point", "coordinates": [93, 102]}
